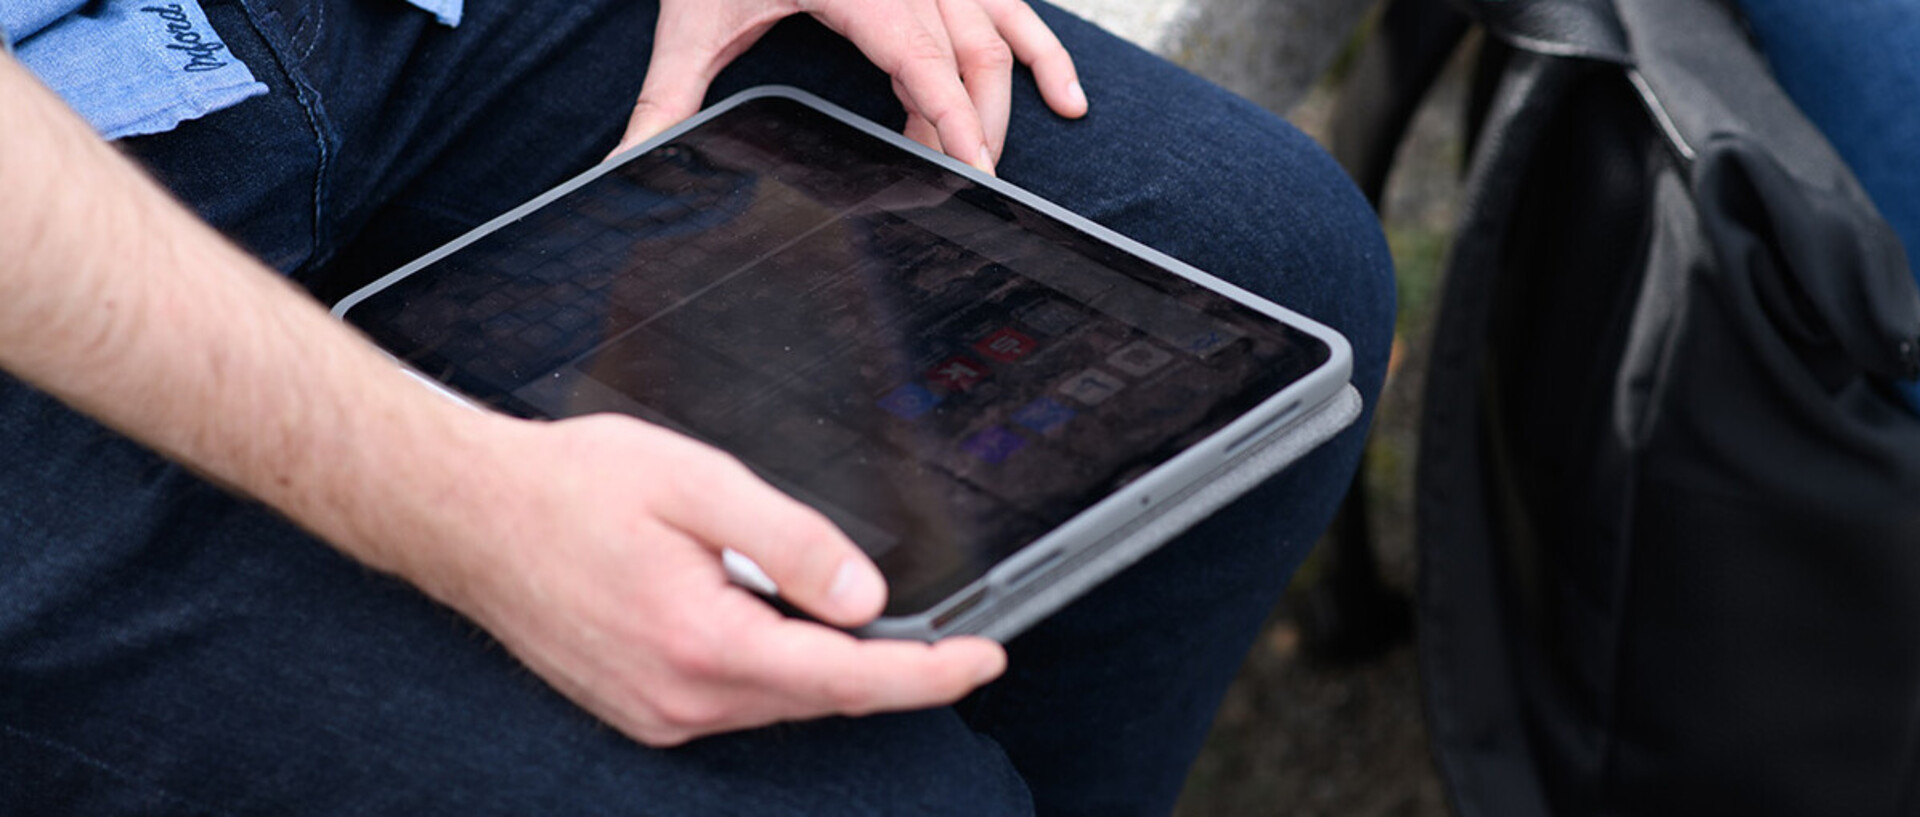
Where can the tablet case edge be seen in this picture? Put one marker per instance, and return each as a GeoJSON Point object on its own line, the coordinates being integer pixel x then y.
{"type": "Point", "coordinates": [1014, 614]}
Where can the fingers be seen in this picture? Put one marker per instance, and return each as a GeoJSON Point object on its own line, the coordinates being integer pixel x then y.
{"type": "Point", "coordinates": [824, 672]}
{"type": "Point", "coordinates": [610, 589]}
{"type": "Point", "coordinates": [918, 54]}
{"type": "Point", "coordinates": [951, 62]}
{"type": "Point", "coordinates": [722, 504]}
{"type": "Point", "coordinates": [794, 671]}
{"type": "Point", "coordinates": [1036, 46]}
{"type": "Point", "coordinates": [963, 90]}
{"type": "Point", "coordinates": [691, 44]}
{"type": "Point", "coordinates": [920, 130]}
{"type": "Point", "coordinates": [744, 665]}
{"type": "Point", "coordinates": [678, 75]}
{"type": "Point", "coordinates": [985, 63]}
{"type": "Point", "coordinates": [952, 66]}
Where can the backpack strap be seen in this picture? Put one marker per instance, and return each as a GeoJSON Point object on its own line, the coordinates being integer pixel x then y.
{"type": "Point", "coordinates": [1574, 29]}
{"type": "Point", "coordinates": [1468, 664]}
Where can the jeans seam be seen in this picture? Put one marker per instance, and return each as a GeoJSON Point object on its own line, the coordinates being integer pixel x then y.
{"type": "Point", "coordinates": [107, 768]}
{"type": "Point", "coordinates": [309, 101]}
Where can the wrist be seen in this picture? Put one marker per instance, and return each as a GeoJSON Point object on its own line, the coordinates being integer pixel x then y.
{"type": "Point", "coordinates": [412, 491]}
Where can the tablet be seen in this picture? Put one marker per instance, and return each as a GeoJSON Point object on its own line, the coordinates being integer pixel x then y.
{"type": "Point", "coordinates": [1001, 402]}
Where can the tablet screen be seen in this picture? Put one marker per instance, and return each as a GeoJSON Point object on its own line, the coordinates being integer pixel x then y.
{"type": "Point", "coordinates": [945, 371]}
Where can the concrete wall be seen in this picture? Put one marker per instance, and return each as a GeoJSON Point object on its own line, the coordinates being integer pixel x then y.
{"type": "Point", "coordinates": [1270, 51]}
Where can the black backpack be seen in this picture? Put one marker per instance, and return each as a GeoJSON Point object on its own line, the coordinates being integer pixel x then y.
{"type": "Point", "coordinates": [1668, 509]}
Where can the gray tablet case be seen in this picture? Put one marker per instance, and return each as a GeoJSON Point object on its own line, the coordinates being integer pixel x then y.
{"type": "Point", "coordinates": [1035, 581]}
{"type": "Point", "coordinates": [1023, 598]}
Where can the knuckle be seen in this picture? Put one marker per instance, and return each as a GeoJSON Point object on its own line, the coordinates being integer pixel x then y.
{"type": "Point", "coordinates": [682, 714]}
{"type": "Point", "coordinates": [922, 46]}
{"type": "Point", "coordinates": [691, 655]}
{"type": "Point", "coordinates": [992, 55]}
{"type": "Point", "coordinates": [648, 107]}
{"type": "Point", "coordinates": [697, 475]}
{"type": "Point", "coordinates": [642, 719]}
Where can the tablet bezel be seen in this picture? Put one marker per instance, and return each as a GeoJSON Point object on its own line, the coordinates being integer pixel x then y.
{"type": "Point", "coordinates": [1042, 558]}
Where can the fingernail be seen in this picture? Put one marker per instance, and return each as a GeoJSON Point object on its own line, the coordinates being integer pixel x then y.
{"type": "Point", "coordinates": [987, 672]}
{"type": "Point", "coordinates": [857, 588]}
{"type": "Point", "coordinates": [1076, 94]}
{"type": "Point", "coordinates": [986, 158]}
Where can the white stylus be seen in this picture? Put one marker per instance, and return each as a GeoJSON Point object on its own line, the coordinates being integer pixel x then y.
{"type": "Point", "coordinates": [744, 572]}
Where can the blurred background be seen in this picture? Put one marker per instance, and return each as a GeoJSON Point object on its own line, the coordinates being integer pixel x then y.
{"type": "Point", "coordinates": [1301, 733]}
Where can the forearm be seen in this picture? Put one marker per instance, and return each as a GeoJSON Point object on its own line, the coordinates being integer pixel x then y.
{"type": "Point", "coordinates": [123, 304]}
{"type": "Point", "coordinates": [590, 548]}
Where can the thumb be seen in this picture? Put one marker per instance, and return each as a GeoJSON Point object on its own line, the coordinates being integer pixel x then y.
{"type": "Point", "coordinates": [689, 49]}
{"type": "Point", "coordinates": [673, 91]}
{"type": "Point", "coordinates": [686, 56]}
{"type": "Point", "coordinates": [813, 565]}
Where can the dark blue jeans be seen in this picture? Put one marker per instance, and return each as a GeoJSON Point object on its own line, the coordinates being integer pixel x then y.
{"type": "Point", "coordinates": [1854, 69]}
{"type": "Point", "coordinates": [168, 648]}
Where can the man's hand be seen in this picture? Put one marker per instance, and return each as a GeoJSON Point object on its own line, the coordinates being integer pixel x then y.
{"type": "Point", "coordinates": [951, 62]}
{"type": "Point", "coordinates": [594, 555]}
{"type": "Point", "coordinates": [591, 548]}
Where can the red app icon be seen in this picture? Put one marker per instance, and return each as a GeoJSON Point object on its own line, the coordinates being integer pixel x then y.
{"type": "Point", "coordinates": [957, 373]}
{"type": "Point", "coordinates": [1006, 345]}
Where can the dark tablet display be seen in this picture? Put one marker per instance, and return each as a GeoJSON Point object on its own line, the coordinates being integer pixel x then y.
{"type": "Point", "coordinates": [946, 371]}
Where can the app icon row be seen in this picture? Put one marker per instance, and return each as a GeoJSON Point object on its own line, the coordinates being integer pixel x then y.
{"type": "Point", "coordinates": [1044, 415]}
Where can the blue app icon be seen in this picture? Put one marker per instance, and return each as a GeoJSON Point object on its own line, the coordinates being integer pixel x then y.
{"type": "Point", "coordinates": [1043, 415]}
{"type": "Point", "coordinates": [909, 401]}
{"type": "Point", "coordinates": [994, 444]}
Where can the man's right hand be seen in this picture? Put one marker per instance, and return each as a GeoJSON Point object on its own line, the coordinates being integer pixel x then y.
{"type": "Point", "coordinates": [591, 549]}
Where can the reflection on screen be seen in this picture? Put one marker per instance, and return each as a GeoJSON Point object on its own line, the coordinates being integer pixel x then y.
{"type": "Point", "coordinates": [946, 373]}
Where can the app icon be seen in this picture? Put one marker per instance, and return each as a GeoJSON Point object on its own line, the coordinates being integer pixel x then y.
{"type": "Point", "coordinates": [957, 373]}
{"type": "Point", "coordinates": [909, 401]}
{"type": "Point", "coordinates": [1051, 317]}
{"type": "Point", "coordinates": [1043, 415]}
{"type": "Point", "coordinates": [1139, 358]}
{"type": "Point", "coordinates": [993, 444]}
{"type": "Point", "coordinates": [1006, 345]}
{"type": "Point", "coordinates": [1092, 386]}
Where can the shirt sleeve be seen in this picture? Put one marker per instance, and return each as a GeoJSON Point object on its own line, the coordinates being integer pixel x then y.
{"type": "Point", "coordinates": [20, 19]}
{"type": "Point", "coordinates": [135, 67]}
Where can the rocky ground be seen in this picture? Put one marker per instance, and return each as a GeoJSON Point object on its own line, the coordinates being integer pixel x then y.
{"type": "Point", "coordinates": [1298, 736]}
{"type": "Point", "coordinates": [1302, 737]}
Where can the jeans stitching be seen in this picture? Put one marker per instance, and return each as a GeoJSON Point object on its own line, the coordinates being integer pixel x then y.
{"type": "Point", "coordinates": [309, 101]}
{"type": "Point", "coordinates": [319, 30]}
{"type": "Point", "coordinates": [107, 768]}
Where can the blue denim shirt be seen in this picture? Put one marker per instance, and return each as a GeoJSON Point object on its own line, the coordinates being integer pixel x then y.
{"type": "Point", "coordinates": [135, 67]}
